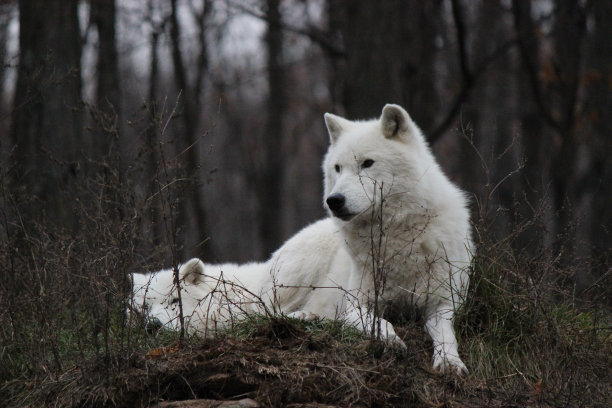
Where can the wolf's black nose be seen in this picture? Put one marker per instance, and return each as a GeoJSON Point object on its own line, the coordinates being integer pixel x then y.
{"type": "Point", "coordinates": [335, 202]}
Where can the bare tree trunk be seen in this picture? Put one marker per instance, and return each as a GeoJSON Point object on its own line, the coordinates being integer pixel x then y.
{"type": "Point", "coordinates": [389, 47]}
{"type": "Point", "coordinates": [488, 124]}
{"type": "Point", "coordinates": [390, 55]}
{"type": "Point", "coordinates": [190, 101]}
{"type": "Point", "coordinates": [47, 116]}
{"type": "Point", "coordinates": [533, 137]}
{"type": "Point", "coordinates": [568, 36]}
{"type": "Point", "coordinates": [108, 95]}
{"type": "Point", "coordinates": [152, 143]}
{"type": "Point", "coordinates": [556, 98]}
{"type": "Point", "coordinates": [594, 186]}
{"type": "Point", "coordinates": [4, 36]}
{"type": "Point", "coordinates": [270, 178]}
{"type": "Point", "coordinates": [599, 112]}
{"type": "Point", "coordinates": [502, 95]}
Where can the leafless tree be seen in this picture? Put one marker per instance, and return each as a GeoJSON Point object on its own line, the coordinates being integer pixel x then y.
{"type": "Point", "coordinates": [47, 124]}
{"type": "Point", "coordinates": [108, 96]}
{"type": "Point", "coordinates": [190, 97]}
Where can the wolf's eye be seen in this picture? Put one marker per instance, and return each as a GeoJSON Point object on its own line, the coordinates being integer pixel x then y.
{"type": "Point", "coordinates": [367, 163]}
{"type": "Point", "coordinates": [337, 168]}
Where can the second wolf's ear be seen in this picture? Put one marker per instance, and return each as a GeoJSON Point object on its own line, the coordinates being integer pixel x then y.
{"type": "Point", "coordinates": [335, 126]}
{"type": "Point", "coordinates": [395, 121]}
{"type": "Point", "coordinates": [139, 281]}
{"type": "Point", "coordinates": [192, 271]}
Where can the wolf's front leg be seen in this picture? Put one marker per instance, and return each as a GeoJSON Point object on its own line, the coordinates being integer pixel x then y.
{"type": "Point", "coordinates": [439, 325]}
{"type": "Point", "coordinates": [364, 319]}
{"type": "Point", "coordinates": [303, 315]}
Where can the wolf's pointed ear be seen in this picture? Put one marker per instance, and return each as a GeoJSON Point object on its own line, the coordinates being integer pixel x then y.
{"type": "Point", "coordinates": [335, 126]}
{"type": "Point", "coordinates": [139, 280]}
{"type": "Point", "coordinates": [192, 271]}
{"type": "Point", "coordinates": [395, 121]}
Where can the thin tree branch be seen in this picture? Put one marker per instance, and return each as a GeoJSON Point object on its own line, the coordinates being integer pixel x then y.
{"type": "Point", "coordinates": [468, 77]}
{"type": "Point", "coordinates": [569, 114]}
{"type": "Point", "coordinates": [523, 27]}
{"type": "Point", "coordinates": [314, 34]}
{"type": "Point", "coordinates": [177, 58]}
{"type": "Point", "coordinates": [461, 42]}
{"type": "Point", "coordinates": [201, 19]}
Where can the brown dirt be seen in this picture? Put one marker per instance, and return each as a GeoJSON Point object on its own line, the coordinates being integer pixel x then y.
{"type": "Point", "coordinates": [281, 366]}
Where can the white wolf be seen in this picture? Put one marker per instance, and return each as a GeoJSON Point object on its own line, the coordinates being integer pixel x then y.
{"type": "Point", "coordinates": [398, 233]}
{"type": "Point", "coordinates": [305, 278]}
{"type": "Point", "coordinates": [405, 225]}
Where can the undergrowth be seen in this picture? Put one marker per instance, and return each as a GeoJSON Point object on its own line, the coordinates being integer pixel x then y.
{"type": "Point", "coordinates": [66, 341]}
{"type": "Point", "coordinates": [522, 328]}
{"type": "Point", "coordinates": [282, 327]}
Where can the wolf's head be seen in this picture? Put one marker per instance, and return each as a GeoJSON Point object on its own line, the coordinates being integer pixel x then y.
{"type": "Point", "coordinates": [156, 298]}
{"type": "Point", "coordinates": [369, 162]}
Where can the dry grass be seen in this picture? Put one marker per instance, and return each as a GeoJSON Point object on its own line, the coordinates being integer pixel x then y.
{"type": "Point", "coordinates": [65, 341]}
{"type": "Point", "coordinates": [284, 362]}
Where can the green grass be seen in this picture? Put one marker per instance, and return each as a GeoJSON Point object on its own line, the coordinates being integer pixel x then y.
{"type": "Point", "coordinates": [518, 327]}
{"type": "Point", "coordinates": [517, 333]}
{"type": "Point", "coordinates": [509, 341]}
{"type": "Point", "coordinates": [283, 326]}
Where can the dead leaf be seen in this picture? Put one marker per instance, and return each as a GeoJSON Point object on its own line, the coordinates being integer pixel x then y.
{"type": "Point", "coordinates": [161, 351]}
{"type": "Point", "coordinates": [537, 389]}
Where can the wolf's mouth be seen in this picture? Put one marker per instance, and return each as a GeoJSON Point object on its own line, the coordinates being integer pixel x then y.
{"type": "Point", "coordinates": [337, 205]}
{"type": "Point", "coordinates": [343, 215]}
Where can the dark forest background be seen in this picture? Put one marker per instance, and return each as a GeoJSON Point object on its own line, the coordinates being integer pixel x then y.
{"type": "Point", "coordinates": [209, 115]}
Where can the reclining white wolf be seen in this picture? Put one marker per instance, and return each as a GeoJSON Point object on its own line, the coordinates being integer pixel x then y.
{"type": "Point", "coordinates": [398, 228]}
{"type": "Point", "coordinates": [297, 280]}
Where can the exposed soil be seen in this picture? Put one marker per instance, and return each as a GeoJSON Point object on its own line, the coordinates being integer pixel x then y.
{"type": "Point", "coordinates": [283, 365]}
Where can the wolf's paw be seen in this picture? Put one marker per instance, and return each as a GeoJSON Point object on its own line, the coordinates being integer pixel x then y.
{"type": "Point", "coordinates": [302, 315]}
{"type": "Point", "coordinates": [390, 339]}
{"type": "Point", "coordinates": [448, 363]}
{"type": "Point", "coordinates": [388, 345]}
{"type": "Point", "coordinates": [396, 344]}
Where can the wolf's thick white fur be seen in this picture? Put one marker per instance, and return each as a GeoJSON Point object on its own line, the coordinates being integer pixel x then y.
{"type": "Point", "coordinates": [305, 278]}
{"type": "Point", "coordinates": [297, 277]}
{"type": "Point", "coordinates": [399, 232]}
{"type": "Point", "coordinates": [401, 216]}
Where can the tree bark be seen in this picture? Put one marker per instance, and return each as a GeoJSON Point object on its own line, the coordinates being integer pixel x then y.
{"type": "Point", "coordinates": [47, 109]}
{"type": "Point", "coordinates": [534, 136]}
{"type": "Point", "coordinates": [108, 95]}
{"type": "Point", "coordinates": [4, 36]}
{"type": "Point", "coordinates": [270, 180]}
{"type": "Point", "coordinates": [568, 36]}
{"type": "Point", "coordinates": [152, 142]}
{"type": "Point", "coordinates": [190, 98]}
{"type": "Point", "coordinates": [554, 87]}
{"type": "Point", "coordinates": [389, 48]}
{"type": "Point", "coordinates": [599, 116]}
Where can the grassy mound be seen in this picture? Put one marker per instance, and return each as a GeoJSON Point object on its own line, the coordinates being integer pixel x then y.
{"type": "Point", "coordinates": [65, 340]}
{"type": "Point", "coordinates": [282, 361]}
